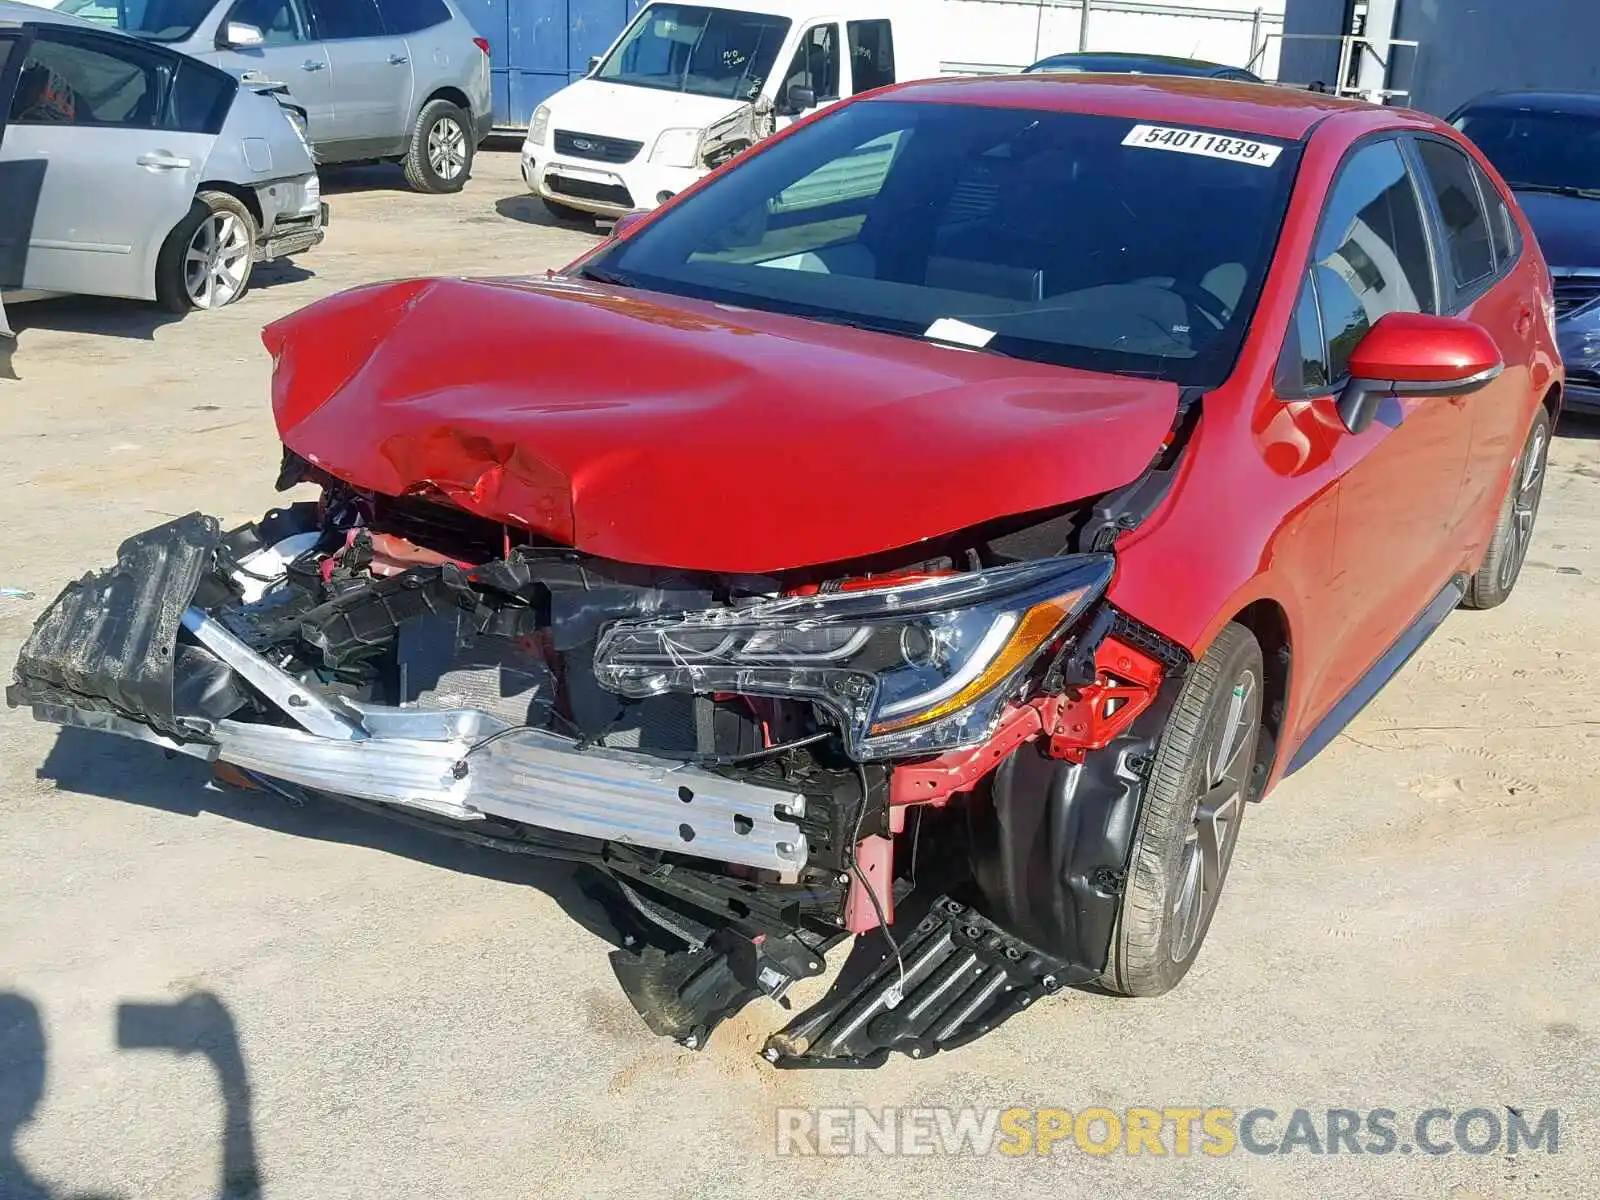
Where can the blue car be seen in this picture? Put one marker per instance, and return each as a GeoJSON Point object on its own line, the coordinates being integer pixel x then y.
{"type": "Point", "coordinates": [1114, 63]}
{"type": "Point", "coordinates": [1547, 145]}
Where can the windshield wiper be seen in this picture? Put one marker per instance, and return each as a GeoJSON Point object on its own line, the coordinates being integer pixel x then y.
{"type": "Point", "coordinates": [600, 275]}
{"type": "Point", "coordinates": [1558, 189]}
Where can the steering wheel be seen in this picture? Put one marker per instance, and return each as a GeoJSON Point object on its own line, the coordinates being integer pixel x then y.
{"type": "Point", "coordinates": [1207, 304]}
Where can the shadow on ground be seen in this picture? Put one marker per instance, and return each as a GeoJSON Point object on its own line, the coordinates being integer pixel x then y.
{"type": "Point", "coordinates": [117, 769]}
{"type": "Point", "coordinates": [530, 210]}
{"type": "Point", "coordinates": [198, 1024]}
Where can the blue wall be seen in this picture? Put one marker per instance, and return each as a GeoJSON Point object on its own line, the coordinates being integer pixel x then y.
{"type": "Point", "coordinates": [537, 47]}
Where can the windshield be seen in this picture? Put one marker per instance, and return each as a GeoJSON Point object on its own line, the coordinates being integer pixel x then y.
{"type": "Point", "coordinates": [706, 51]}
{"type": "Point", "coordinates": [1084, 241]}
{"type": "Point", "coordinates": [1538, 149]}
{"type": "Point", "coordinates": [158, 20]}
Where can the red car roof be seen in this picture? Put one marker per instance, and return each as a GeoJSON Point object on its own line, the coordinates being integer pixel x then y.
{"type": "Point", "coordinates": [1254, 108]}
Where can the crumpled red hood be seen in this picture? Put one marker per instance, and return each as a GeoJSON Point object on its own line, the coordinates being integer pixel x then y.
{"type": "Point", "coordinates": [658, 430]}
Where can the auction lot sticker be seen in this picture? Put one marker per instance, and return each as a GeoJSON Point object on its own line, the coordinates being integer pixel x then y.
{"type": "Point", "coordinates": [1207, 145]}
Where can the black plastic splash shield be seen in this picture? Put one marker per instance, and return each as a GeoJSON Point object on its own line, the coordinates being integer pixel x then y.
{"type": "Point", "coordinates": [963, 976]}
{"type": "Point", "coordinates": [111, 637]}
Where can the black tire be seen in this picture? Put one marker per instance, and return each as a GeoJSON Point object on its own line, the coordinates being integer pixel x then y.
{"type": "Point", "coordinates": [1203, 776]}
{"type": "Point", "coordinates": [439, 159]}
{"type": "Point", "coordinates": [173, 263]}
{"type": "Point", "coordinates": [1494, 581]}
{"type": "Point", "coordinates": [565, 212]}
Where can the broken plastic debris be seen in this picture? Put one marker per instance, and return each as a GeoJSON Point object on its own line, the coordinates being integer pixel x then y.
{"type": "Point", "coordinates": [11, 593]}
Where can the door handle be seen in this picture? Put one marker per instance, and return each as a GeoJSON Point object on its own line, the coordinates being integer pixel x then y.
{"type": "Point", "coordinates": [160, 160]}
{"type": "Point", "coordinates": [398, 59]}
{"type": "Point", "coordinates": [312, 64]}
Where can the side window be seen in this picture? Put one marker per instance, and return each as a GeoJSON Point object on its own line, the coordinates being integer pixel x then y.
{"type": "Point", "coordinates": [412, 16]}
{"type": "Point", "coordinates": [280, 21]}
{"type": "Point", "coordinates": [1502, 228]}
{"type": "Point", "coordinates": [816, 64]}
{"type": "Point", "coordinates": [1467, 242]}
{"type": "Point", "coordinates": [339, 19]}
{"type": "Point", "coordinates": [1371, 256]}
{"type": "Point", "coordinates": [79, 82]}
{"type": "Point", "coordinates": [199, 98]}
{"type": "Point", "coordinates": [1303, 369]}
{"type": "Point", "coordinates": [871, 55]}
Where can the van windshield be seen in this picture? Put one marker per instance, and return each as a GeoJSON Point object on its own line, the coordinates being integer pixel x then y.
{"type": "Point", "coordinates": [704, 51]}
{"type": "Point", "coordinates": [1085, 241]}
{"type": "Point", "coordinates": [157, 20]}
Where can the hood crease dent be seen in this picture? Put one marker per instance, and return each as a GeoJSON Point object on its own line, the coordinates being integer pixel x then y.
{"type": "Point", "coordinates": [680, 433]}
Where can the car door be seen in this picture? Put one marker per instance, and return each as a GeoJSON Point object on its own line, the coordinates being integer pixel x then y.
{"type": "Point", "coordinates": [818, 63]}
{"type": "Point", "coordinates": [372, 78]}
{"type": "Point", "coordinates": [1475, 228]}
{"type": "Point", "coordinates": [287, 55]}
{"type": "Point", "coordinates": [1400, 479]}
{"type": "Point", "coordinates": [89, 123]}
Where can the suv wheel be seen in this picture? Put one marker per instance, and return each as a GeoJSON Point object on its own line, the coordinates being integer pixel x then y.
{"type": "Point", "coordinates": [1203, 775]}
{"type": "Point", "coordinates": [207, 259]}
{"type": "Point", "coordinates": [439, 159]}
{"type": "Point", "coordinates": [1502, 564]}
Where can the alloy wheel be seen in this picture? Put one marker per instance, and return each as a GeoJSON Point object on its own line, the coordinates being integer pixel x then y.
{"type": "Point", "coordinates": [1525, 505]}
{"type": "Point", "coordinates": [447, 148]}
{"type": "Point", "coordinates": [1228, 763]}
{"type": "Point", "coordinates": [217, 263]}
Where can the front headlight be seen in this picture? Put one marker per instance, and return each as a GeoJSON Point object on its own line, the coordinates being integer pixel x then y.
{"type": "Point", "coordinates": [909, 667]}
{"type": "Point", "coordinates": [539, 126]}
{"type": "Point", "coordinates": [676, 148]}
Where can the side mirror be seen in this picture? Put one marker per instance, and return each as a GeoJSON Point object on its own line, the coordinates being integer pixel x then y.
{"type": "Point", "coordinates": [594, 63]}
{"type": "Point", "coordinates": [236, 35]}
{"type": "Point", "coordinates": [626, 222]}
{"type": "Point", "coordinates": [797, 99]}
{"type": "Point", "coordinates": [1413, 354]}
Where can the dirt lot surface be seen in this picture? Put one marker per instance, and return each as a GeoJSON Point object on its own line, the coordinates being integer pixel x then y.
{"type": "Point", "coordinates": [1412, 921]}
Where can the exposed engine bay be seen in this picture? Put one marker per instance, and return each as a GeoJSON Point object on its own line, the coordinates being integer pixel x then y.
{"type": "Point", "coordinates": [943, 750]}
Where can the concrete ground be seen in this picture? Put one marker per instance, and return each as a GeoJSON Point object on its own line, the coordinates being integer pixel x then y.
{"type": "Point", "coordinates": [200, 985]}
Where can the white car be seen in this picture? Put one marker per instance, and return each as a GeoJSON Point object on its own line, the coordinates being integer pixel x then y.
{"type": "Point", "coordinates": [685, 87]}
{"type": "Point", "coordinates": [128, 169]}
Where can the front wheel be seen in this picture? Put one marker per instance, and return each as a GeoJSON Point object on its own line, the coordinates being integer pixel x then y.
{"type": "Point", "coordinates": [1203, 775]}
{"type": "Point", "coordinates": [207, 259]}
{"type": "Point", "coordinates": [439, 159]}
{"type": "Point", "coordinates": [1502, 564]}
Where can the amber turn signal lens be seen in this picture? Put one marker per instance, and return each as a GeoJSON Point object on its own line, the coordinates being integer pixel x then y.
{"type": "Point", "coordinates": [1032, 632]}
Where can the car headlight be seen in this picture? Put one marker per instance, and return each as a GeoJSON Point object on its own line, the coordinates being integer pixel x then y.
{"type": "Point", "coordinates": [676, 148]}
{"type": "Point", "coordinates": [910, 667]}
{"type": "Point", "coordinates": [539, 126]}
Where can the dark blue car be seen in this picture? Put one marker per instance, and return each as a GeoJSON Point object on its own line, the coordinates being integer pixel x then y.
{"type": "Point", "coordinates": [1547, 145]}
{"type": "Point", "coordinates": [1138, 64]}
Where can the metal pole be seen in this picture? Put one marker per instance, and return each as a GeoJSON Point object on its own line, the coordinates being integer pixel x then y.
{"type": "Point", "coordinates": [1255, 37]}
{"type": "Point", "coordinates": [1085, 7]}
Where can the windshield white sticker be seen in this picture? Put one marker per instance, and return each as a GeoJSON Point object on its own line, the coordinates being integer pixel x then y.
{"type": "Point", "coordinates": [959, 333]}
{"type": "Point", "coordinates": [1207, 145]}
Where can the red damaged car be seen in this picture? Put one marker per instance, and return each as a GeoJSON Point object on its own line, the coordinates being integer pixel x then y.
{"type": "Point", "coordinates": [935, 527]}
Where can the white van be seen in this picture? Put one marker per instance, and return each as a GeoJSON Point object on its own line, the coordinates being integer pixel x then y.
{"type": "Point", "coordinates": [686, 87]}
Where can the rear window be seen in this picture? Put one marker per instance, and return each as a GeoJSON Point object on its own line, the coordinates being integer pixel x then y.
{"type": "Point", "coordinates": [871, 54]}
{"type": "Point", "coordinates": [411, 16]}
{"type": "Point", "coordinates": [1042, 235]}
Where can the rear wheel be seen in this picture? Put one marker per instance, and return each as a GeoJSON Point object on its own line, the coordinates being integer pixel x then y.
{"type": "Point", "coordinates": [439, 159]}
{"type": "Point", "coordinates": [1502, 565]}
{"type": "Point", "coordinates": [207, 259]}
{"type": "Point", "coordinates": [1203, 775]}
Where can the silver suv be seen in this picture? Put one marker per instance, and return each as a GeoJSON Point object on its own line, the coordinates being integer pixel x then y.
{"type": "Point", "coordinates": [402, 81]}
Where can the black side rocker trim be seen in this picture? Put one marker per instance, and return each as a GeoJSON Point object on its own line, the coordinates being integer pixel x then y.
{"type": "Point", "coordinates": [1386, 668]}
